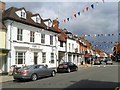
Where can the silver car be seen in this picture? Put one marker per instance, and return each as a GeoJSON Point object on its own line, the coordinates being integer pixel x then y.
{"type": "Point", "coordinates": [109, 62]}
{"type": "Point", "coordinates": [33, 72]}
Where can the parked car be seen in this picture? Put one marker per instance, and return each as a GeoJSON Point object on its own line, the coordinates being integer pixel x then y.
{"type": "Point", "coordinates": [33, 72]}
{"type": "Point", "coordinates": [67, 67]}
{"type": "Point", "coordinates": [97, 62]}
{"type": "Point", "coordinates": [109, 61]}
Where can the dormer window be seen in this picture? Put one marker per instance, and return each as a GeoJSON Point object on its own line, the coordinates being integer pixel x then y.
{"type": "Point", "coordinates": [23, 14]}
{"type": "Point", "coordinates": [36, 18]}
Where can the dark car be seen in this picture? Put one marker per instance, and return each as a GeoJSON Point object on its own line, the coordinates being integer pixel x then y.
{"type": "Point", "coordinates": [33, 72]}
{"type": "Point", "coordinates": [67, 67]}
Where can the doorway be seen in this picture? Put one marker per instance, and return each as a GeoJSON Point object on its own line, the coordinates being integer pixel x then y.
{"type": "Point", "coordinates": [35, 57]}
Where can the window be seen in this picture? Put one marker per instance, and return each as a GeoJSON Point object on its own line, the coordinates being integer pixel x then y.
{"type": "Point", "coordinates": [42, 38]}
{"type": "Point", "coordinates": [23, 14]}
{"type": "Point", "coordinates": [19, 34]}
{"type": "Point", "coordinates": [51, 40]}
{"type": "Point", "coordinates": [37, 19]}
{"type": "Point", "coordinates": [61, 44]}
{"type": "Point", "coordinates": [52, 57]}
{"type": "Point", "coordinates": [69, 46]}
{"type": "Point", "coordinates": [43, 57]}
{"type": "Point", "coordinates": [20, 58]}
{"type": "Point", "coordinates": [32, 36]}
{"type": "Point", "coordinates": [73, 46]}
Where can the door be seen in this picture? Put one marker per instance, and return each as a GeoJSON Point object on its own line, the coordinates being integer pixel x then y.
{"type": "Point", "coordinates": [35, 57]}
{"type": "Point", "coordinates": [43, 71]}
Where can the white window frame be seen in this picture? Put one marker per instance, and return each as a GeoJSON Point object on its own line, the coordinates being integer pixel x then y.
{"type": "Point", "coordinates": [23, 14]}
{"type": "Point", "coordinates": [32, 36]}
{"type": "Point", "coordinates": [43, 57]}
{"type": "Point", "coordinates": [43, 38]}
{"type": "Point", "coordinates": [51, 40]}
{"type": "Point", "coordinates": [19, 34]}
{"type": "Point", "coordinates": [17, 57]}
{"type": "Point", "coordinates": [52, 58]}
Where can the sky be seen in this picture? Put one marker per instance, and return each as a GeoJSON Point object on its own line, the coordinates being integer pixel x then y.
{"type": "Point", "coordinates": [103, 19]}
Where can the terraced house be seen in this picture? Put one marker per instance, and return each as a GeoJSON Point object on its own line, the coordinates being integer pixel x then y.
{"type": "Point", "coordinates": [31, 39]}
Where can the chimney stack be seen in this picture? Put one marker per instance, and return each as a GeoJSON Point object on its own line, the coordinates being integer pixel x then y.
{"type": "Point", "coordinates": [55, 23]}
{"type": "Point", "coordinates": [2, 6]}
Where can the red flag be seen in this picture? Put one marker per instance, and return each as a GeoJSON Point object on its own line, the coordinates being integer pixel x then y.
{"type": "Point", "coordinates": [64, 20]}
{"type": "Point", "coordinates": [86, 8]}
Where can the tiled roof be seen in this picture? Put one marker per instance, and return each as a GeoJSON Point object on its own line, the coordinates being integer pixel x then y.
{"type": "Point", "coordinates": [62, 36]}
{"type": "Point", "coordinates": [10, 14]}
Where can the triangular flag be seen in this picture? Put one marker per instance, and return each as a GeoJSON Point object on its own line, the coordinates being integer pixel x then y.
{"type": "Point", "coordinates": [68, 19]}
{"type": "Point", "coordinates": [78, 13]}
{"type": "Point", "coordinates": [64, 20]}
{"type": "Point", "coordinates": [75, 15]}
{"type": "Point", "coordinates": [86, 8]}
{"type": "Point", "coordinates": [92, 6]}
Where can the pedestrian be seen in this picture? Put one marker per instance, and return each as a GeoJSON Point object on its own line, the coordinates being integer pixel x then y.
{"type": "Point", "coordinates": [91, 61]}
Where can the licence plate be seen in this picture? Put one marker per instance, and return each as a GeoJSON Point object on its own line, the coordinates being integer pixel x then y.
{"type": "Point", "coordinates": [60, 66]}
{"type": "Point", "coordinates": [17, 72]}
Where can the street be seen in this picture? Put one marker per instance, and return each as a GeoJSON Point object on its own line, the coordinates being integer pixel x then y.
{"type": "Point", "coordinates": [103, 76]}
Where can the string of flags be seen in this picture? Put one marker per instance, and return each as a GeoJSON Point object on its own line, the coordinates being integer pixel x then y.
{"type": "Point", "coordinates": [97, 35]}
{"type": "Point", "coordinates": [107, 42]}
{"type": "Point", "coordinates": [102, 46]}
{"type": "Point", "coordinates": [75, 15]}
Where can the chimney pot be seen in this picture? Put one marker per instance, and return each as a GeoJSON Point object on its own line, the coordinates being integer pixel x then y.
{"type": "Point", "coordinates": [2, 6]}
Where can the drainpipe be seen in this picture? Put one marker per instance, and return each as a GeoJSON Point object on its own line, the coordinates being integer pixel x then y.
{"type": "Point", "coordinates": [56, 50]}
{"type": "Point", "coordinates": [10, 40]}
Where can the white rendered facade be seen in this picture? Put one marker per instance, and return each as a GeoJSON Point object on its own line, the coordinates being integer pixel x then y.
{"type": "Point", "coordinates": [31, 51]}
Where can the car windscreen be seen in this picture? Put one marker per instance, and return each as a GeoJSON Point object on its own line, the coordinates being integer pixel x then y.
{"type": "Point", "coordinates": [27, 67]}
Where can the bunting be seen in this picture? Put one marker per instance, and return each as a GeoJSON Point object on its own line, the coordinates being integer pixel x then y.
{"type": "Point", "coordinates": [98, 35]}
{"type": "Point", "coordinates": [92, 6]}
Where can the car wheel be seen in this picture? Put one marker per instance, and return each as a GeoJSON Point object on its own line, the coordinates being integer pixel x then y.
{"type": "Point", "coordinates": [68, 70]}
{"type": "Point", "coordinates": [53, 73]}
{"type": "Point", "coordinates": [76, 69]}
{"type": "Point", "coordinates": [34, 77]}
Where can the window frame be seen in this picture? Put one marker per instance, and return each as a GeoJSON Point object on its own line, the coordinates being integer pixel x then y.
{"type": "Point", "coordinates": [19, 34]}
{"type": "Point", "coordinates": [52, 58]}
{"type": "Point", "coordinates": [61, 44]}
{"type": "Point", "coordinates": [51, 40]}
{"type": "Point", "coordinates": [23, 15]}
{"type": "Point", "coordinates": [18, 57]}
{"type": "Point", "coordinates": [43, 57]}
{"type": "Point", "coordinates": [32, 36]}
{"type": "Point", "coordinates": [43, 38]}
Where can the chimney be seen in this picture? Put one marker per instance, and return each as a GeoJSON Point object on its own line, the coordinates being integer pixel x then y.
{"type": "Point", "coordinates": [55, 23]}
{"type": "Point", "coordinates": [2, 6]}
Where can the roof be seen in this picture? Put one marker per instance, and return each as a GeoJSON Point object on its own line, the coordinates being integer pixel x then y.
{"type": "Point", "coordinates": [62, 37]}
{"type": "Point", "coordinates": [10, 14]}
{"type": "Point", "coordinates": [2, 26]}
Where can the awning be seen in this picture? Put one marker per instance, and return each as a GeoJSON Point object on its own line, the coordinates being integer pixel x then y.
{"type": "Point", "coordinates": [3, 54]}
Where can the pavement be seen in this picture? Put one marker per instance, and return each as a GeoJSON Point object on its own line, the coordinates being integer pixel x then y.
{"type": "Point", "coordinates": [5, 78]}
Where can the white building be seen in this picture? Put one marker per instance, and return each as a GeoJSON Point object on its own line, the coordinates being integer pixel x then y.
{"type": "Point", "coordinates": [29, 39]}
{"type": "Point", "coordinates": [72, 48]}
{"type": "Point", "coordinates": [62, 39]}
